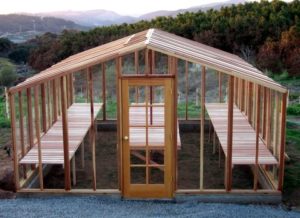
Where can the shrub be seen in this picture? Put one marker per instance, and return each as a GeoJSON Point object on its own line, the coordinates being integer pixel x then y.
{"type": "Point", "coordinates": [294, 110]}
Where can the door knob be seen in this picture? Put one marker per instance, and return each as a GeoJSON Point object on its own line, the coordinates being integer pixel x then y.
{"type": "Point", "coordinates": [125, 138]}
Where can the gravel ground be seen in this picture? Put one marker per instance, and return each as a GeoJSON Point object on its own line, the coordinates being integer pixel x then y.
{"type": "Point", "coordinates": [108, 207]}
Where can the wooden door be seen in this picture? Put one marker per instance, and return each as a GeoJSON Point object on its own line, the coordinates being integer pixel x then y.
{"type": "Point", "coordinates": [147, 138]}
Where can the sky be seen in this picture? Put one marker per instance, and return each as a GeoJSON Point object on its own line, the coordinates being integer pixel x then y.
{"type": "Point", "coordinates": [124, 7]}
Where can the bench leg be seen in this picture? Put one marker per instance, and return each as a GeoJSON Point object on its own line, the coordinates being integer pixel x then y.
{"type": "Point", "coordinates": [82, 155]}
{"type": "Point", "coordinates": [74, 170]}
{"type": "Point", "coordinates": [214, 142]}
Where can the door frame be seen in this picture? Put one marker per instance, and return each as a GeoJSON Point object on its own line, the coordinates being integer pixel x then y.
{"type": "Point", "coordinates": [139, 191]}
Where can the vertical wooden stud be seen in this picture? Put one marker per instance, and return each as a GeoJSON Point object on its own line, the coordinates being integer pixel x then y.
{"type": "Point", "coordinates": [14, 140]}
{"type": "Point", "coordinates": [257, 137]}
{"type": "Point", "coordinates": [22, 130]}
{"type": "Point", "coordinates": [228, 174]}
{"type": "Point", "coordinates": [282, 141]}
{"type": "Point", "coordinates": [65, 135]}
{"type": "Point", "coordinates": [93, 129]}
{"type": "Point", "coordinates": [203, 78]}
{"type": "Point", "coordinates": [38, 136]}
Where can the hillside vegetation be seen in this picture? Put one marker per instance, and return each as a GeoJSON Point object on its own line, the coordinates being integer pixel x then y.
{"type": "Point", "coordinates": [264, 33]}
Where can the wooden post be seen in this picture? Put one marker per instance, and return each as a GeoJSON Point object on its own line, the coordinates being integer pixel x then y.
{"type": "Point", "coordinates": [275, 128]}
{"type": "Point", "coordinates": [203, 76]}
{"type": "Point", "coordinates": [186, 89]}
{"type": "Point", "coordinates": [14, 140]}
{"type": "Point", "coordinates": [174, 70]}
{"type": "Point", "coordinates": [44, 114]}
{"type": "Point", "coordinates": [38, 136]}
{"type": "Point", "coordinates": [22, 130]}
{"type": "Point", "coordinates": [120, 123]}
{"type": "Point", "coordinates": [228, 174]}
{"type": "Point", "coordinates": [257, 136]}
{"type": "Point", "coordinates": [30, 121]}
{"type": "Point", "coordinates": [103, 91]}
{"type": "Point", "coordinates": [93, 129]}
{"type": "Point", "coordinates": [282, 142]}
{"type": "Point", "coordinates": [65, 135]}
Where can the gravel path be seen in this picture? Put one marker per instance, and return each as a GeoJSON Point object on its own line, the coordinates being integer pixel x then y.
{"type": "Point", "coordinates": [108, 207]}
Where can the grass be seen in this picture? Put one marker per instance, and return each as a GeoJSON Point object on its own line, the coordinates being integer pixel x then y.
{"type": "Point", "coordinates": [292, 169]}
{"type": "Point", "coordinates": [4, 125]}
{"type": "Point", "coordinates": [4, 121]}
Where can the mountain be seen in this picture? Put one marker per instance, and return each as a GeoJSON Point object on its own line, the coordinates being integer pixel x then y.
{"type": "Point", "coordinates": [92, 17]}
{"type": "Point", "coordinates": [20, 28]}
{"type": "Point", "coordinates": [14, 23]}
{"type": "Point", "coordinates": [205, 7]}
{"type": "Point", "coordinates": [101, 17]}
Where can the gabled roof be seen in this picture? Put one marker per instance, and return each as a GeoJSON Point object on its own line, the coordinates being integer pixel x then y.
{"type": "Point", "coordinates": [159, 41]}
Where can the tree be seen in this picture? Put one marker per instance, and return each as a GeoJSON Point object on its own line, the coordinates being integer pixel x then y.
{"type": "Point", "coordinates": [5, 45]}
{"type": "Point", "coordinates": [7, 73]}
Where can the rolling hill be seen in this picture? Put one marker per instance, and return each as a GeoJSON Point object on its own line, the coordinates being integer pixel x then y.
{"type": "Point", "coordinates": [15, 23]}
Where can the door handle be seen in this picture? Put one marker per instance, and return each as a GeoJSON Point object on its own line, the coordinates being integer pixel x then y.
{"type": "Point", "coordinates": [125, 138]}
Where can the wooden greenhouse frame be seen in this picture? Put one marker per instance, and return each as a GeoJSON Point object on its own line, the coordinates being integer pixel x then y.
{"type": "Point", "coordinates": [248, 103]}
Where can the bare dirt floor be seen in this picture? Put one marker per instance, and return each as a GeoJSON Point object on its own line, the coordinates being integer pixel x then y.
{"type": "Point", "coordinates": [188, 166]}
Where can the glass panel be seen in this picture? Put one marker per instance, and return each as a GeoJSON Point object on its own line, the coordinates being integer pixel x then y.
{"type": "Point", "coordinates": [80, 87]}
{"type": "Point", "coordinates": [111, 98]}
{"type": "Point", "coordinates": [158, 95]}
{"type": "Point", "coordinates": [136, 94]}
{"type": "Point", "coordinates": [128, 64]}
{"type": "Point", "coordinates": [137, 157]}
{"type": "Point", "coordinates": [142, 62]}
{"type": "Point", "coordinates": [156, 157]}
{"type": "Point", "coordinates": [138, 175]}
{"type": "Point", "coordinates": [137, 137]}
{"type": "Point", "coordinates": [212, 86]}
{"type": "Point", "coordinates": [194, 91]}
{"type": "Point", "coordinates": [137, 116]}
{"type": "Point", "coordinates": [156, 137]}
{"type": "Point", "coordinates": [156, 175]}
{"type": "Point", "coordinates": [161, 63]}
{"type": "Point", "coordinates": [156, 116]}
{"type": "Point", "coordinates": [181, 89]}
{"type": "Point", "coordinates": [97, 86]}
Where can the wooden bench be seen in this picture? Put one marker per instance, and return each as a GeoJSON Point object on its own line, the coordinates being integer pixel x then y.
{"type": "Point", "coordinates": [79, 123]}
{"type": "Point", "coordinates": [244, 136]}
